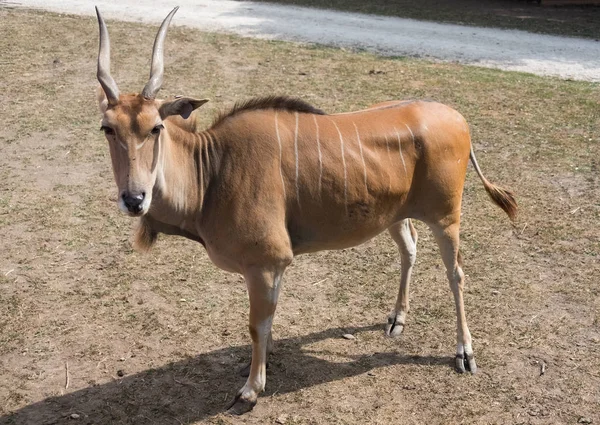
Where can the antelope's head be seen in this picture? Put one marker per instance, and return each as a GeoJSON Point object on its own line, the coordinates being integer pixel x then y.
{"type": "Point", "coordinates": [134, 124]}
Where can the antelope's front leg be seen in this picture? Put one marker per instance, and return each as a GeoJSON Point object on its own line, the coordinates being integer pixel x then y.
{"type": "Point", "coordinates": [263, 291]}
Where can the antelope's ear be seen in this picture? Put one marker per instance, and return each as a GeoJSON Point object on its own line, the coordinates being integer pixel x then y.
{"type": "Point", "coordinates": [102, 100]}
{"type": "Point", "coordinates": [183, 106]}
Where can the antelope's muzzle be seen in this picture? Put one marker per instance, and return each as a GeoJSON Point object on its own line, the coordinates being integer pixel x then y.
{"type": "Point", "coordinates": [133, 201]}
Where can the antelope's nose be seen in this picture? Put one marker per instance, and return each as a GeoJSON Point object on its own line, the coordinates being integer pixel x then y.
{"type": "Point", "coordinates": [133, 201]}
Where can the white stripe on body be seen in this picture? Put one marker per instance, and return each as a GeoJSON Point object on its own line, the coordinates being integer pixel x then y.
{"type": "Point", "coordinates": [201, 175]}
{"type": "Point", "coordinates": [400, 150]}
{"type": "Point", "coordinates": [297, 165]}
{"type": "Point", "coordinates": [411, 133]}
{"type": "Point", "coordinates": [320, 155]}
{"type": "Point", "coordinates": [361, 156]}
{"type": "Point", "coordinates": [387, 145]}
{"type": "Point", "coordinates": [345, 170]}
{"type": "Point", "coordinates": [280, 153]}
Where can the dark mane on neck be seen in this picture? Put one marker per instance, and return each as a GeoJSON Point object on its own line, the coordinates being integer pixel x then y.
{"type": "Point", "coordinates": [269, 102]}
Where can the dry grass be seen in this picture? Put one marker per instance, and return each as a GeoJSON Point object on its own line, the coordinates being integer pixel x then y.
{"type": "Point", "coordinates": [527, 15]}
{"type": "Point", "coordinates": [71, 289]}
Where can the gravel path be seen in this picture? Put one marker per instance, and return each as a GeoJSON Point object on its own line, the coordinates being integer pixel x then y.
{"type": "Point", "coordinates": [564, 57]}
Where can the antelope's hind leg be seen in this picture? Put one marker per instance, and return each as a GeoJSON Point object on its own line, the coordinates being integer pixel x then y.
{"type": "Point", "coordinates": [448, 241]}
{"type": "Point", "coordinates": [405, 236]}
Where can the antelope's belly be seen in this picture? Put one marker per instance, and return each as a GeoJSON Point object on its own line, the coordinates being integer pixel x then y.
{"type": "Point", "coordinates": [331, 231]}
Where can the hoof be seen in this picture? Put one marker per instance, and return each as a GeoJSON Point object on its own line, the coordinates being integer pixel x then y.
{"type": "Point", "coordinates": [239, 406]}
{"type": "Point", "coordinates": [466, 364]}
{"type": "Point", "coordinates": [393, 328]}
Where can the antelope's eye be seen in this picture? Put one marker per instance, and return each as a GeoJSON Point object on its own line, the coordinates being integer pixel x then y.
{"type": "Point", "coordinates": [156, 130]}
{"type": "Point", "coordinates": [107, 130]}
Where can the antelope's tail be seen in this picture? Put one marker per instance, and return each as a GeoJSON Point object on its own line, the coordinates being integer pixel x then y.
{"type": "Point", "coordinates": [502, 197]}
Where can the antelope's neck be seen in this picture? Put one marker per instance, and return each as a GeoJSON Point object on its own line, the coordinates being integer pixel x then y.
{"type": "Point", "coordinates": [187, 166]}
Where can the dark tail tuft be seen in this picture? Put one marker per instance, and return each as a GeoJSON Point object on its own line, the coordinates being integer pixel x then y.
{"type": "Point", "coordinates": [503, 198]}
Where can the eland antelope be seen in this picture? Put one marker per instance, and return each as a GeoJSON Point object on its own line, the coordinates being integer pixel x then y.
{"type": "Point", "coordinates": [275, 177]}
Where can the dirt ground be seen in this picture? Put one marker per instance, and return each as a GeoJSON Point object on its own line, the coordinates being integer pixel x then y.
{"type": "Point", "coordinates": [94, 333]}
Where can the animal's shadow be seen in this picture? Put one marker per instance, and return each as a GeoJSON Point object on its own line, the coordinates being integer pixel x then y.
{"type": "Point", "coordinates": [200, 387]}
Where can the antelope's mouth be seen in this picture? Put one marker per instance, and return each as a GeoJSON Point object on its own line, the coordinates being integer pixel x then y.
{"type": "Point", "coordinates": [136, 213]}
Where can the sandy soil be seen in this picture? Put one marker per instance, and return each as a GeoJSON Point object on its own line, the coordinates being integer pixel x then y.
{"type": "Point", "coordinates": [93, 333]}
{"type": "Point", "coordinates": [505, 49]}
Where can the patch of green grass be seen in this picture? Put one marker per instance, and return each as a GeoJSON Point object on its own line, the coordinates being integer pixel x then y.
{"type": "Point", "coordinates": [577, 21]}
